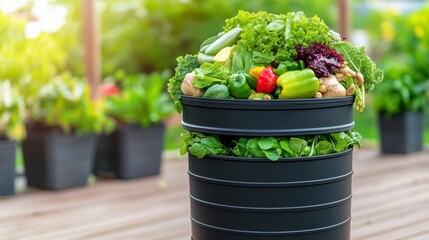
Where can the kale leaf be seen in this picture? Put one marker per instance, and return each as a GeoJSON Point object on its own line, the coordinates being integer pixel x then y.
{"type": "Point", "coordinates": [185, 65]}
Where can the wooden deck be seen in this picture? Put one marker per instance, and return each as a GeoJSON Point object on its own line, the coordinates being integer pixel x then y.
{"type": "Point", "coordinates": [390, 202]}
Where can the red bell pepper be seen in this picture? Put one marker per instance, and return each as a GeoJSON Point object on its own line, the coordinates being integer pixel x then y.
{"type": "Point", "coordinates": [267, 81]}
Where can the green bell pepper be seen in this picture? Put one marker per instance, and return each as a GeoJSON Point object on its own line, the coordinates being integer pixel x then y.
{"type": "Point", "coordinates": [250, 80]}
{"type": "Point", "coordinates": [298, 84]}
{"type": "Point", "coordinates": [238, 86]}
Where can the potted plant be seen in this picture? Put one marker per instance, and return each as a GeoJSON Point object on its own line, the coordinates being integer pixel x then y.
{"type": "Point", "coordinates": [139, 106]}
{"type": "Point", "coordinates": [60, 147]}
{"type": "Point", "coordinates": [268, 104]}
{"type": "Point", "coordinates": [12, 118]}
{"type": "Point", "coordinates": [400, 101]}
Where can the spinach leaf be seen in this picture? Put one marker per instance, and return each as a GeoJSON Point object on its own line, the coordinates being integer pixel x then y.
{"type": "Point", "coordinates": [217, 91]}
{"type": "Point", "coordinates": [254, 149]}
{"type": "Point", "coordinates": [287, 151]}
{"type": "Point", "coordinates": [323, 147]}
{"type": "Point", "coordinates": [198, 150]}
{"type": "Point", "coordinates": [268, 143]}
{"type": "Point", "coordinates": [272, 154]}
{"type": "Point", "coordinates": [240, 148]}
{"type": "Point", "coordinates": [298, 146]}
{"type": "Point", "coordinates": [273, 148]}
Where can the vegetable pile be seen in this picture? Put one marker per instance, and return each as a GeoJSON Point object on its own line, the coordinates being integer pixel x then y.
{"type": "Point", "coordinates": [272, 148]}
{"type": "Point", "coordinates": [264, 56]}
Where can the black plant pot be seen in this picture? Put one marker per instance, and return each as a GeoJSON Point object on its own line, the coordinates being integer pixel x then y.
{"type": "Point", "coordinates": [54, 160]}
{"type": "Point", "coordinates": [130, 151]}
{"type": "Point", "coordinates": [304, 198]}
{"type": "Point", "coordinates": [7, 167]}
{"type": "Point", "coordinates": [401, 133]}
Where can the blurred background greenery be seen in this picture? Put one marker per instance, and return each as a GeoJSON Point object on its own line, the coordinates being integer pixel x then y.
{"type": "Point", "coordinates": [42, 38]}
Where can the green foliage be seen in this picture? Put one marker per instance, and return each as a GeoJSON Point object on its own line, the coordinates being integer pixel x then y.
{"type": "Point", "coordinates": [39, 58]}
{"type": "Point", "coordinates": [404, 39]}
{"type": "Point", "coordinates": [12, 112]}
{"type": "Point", "coordinates": [281, 33]}
{"type": "Point", "coordinates": [217, 91]}
{"type": "Point", "coordinates": [406, 49]}
{"type": "Point", "coordinates": [209, 74]}
{"type": "Point", "coordinates": [65, 102]}
{"type": "Point", "coordinates": [272, 148]}
{"type": "Point", "coordinates": [358, 61]}
{"type": "Point", "coordinates": [400, 91]}
{"type": "Point", "coordinates": [201, 145]}
{"type": "Point", "coordinates": [144, 36]}
{"type": "Point", "coordinates": [142, 99]}
{"type": "Point", "coordinates": [185, 65]}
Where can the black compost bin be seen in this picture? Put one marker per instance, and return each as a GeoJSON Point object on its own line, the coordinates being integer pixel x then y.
{"type": "Point", "coordinates": [237, 198]}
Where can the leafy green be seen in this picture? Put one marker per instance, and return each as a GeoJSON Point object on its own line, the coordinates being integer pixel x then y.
{"type": "Point", "coordinates": [185, 65]}
{"type": "Point", "coordinates": [281, 33]}
{"type": "Point", "coordinates": [358, 61]}
{"type": "Point", "coordinates": [201, 145]}
{"type": "Point", "coordinates": [209, 74]}
{"type": "Point", "coordinates": [287, 151]}
{"type": "Point", "coordinates": [240, 148]}
{"type": "Point", "coordinates": [241, 60]}
{"type": "Point", "coordinates": [323, 147]}
{"type": "Point", "coordinates": [254, 149]}
{"type": "Point", "coordinates": [217, 91]}
{"type": "Point", "coordinates": [271, 148]}
{"type": "Point", "coordinates": [299, 147]}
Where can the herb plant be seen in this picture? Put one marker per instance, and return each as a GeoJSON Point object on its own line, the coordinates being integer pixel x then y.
{"type": "Point", "coordinates": [65, 102]}
{"type": "Point", "coordinates": [400, 92]}
{"type": "Point", "coordinates": [141, 100]}
{"type": "Point", "coordinates": [12, 112]}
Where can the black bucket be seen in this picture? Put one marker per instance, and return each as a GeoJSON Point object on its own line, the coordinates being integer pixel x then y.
{"type": "Point", "coordinates": [303, 198]}
{"type": "Point", "coordinates": [292, 117]}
